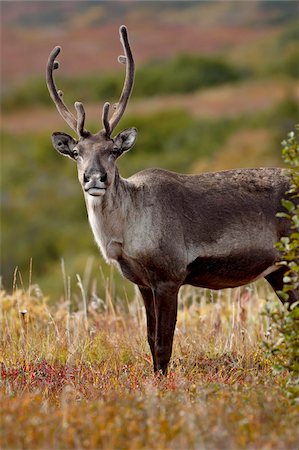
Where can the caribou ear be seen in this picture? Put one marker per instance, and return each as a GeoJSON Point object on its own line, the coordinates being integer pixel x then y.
{"type": "Point", "coordinates": [64, 143]}
{"type": "Point", "coordinates": [125, 140]}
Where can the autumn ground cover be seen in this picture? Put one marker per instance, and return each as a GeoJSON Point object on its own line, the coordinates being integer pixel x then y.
{"type": "Point", "coordinates": [80, 376]}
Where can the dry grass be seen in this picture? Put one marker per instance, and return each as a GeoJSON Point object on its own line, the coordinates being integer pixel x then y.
{"type": "Point", "coordinates": [84, 379]}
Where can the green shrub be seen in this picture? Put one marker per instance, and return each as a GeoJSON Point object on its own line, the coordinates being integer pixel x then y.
{"type": "Point", "coordinates": [289, 246]}
{"type": "Point", "coordinates": [184, 74]}
{"type": "Point", "coordinates": [284, 343]}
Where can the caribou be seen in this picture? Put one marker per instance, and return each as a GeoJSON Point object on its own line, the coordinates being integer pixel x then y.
{"type": "Point", "coordinates": [164, 229]}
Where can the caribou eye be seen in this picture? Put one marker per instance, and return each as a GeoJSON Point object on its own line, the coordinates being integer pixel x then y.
{"type": "Point", "coordinates": [115, 151]}
{"type": "Point", "coordinates": [75, 153]}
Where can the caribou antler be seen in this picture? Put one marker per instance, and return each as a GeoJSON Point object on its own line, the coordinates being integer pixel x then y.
{"type": "Point", "coordinates": [76, 124]}
{"type": "Point", "coordinates": [120, 107]}
{"type": "Point", "coordinates": [109, 124]}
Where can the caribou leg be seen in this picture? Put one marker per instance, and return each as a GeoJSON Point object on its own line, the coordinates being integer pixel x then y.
{"type": "Point", "coordinates": [276, 281]}
{"type": "Point", "coordinates": [165, 299]}
{"type": "Point", "coordinates": [148, 299]}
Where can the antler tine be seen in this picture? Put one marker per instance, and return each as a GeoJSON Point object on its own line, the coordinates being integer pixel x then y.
{"type": "Point", "coordinates": [129, 79]}
{"type": "Point", "coordinates": [77, 126]}
{"type": "Point", "coordinates": [81, 119]}
{"type": "Point", "coordinates": [105, 118]}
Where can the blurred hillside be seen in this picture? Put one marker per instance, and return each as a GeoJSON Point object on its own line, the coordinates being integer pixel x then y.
{"type": "Point", "coordinates": [216, 87]}
{"type": "Point", "coordinates": [249, 32]}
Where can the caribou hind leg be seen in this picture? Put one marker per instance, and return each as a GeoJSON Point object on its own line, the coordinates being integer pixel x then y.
{"type": "Point", "coordinates": [276, 281]}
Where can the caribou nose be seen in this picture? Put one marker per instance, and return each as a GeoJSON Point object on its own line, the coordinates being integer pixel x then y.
{"type": "Point", "coordinates": [95, 176]}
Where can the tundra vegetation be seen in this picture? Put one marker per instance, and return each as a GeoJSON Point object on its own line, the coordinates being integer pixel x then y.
{"type": "Point", "coordinates": [84, 379]}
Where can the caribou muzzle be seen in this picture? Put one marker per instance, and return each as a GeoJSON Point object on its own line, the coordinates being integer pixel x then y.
{"type": "Point", "coordinates": [95, 184]}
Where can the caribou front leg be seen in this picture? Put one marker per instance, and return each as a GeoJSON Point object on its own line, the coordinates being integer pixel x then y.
{"type": "Point", "coordinates": [148, 298]}
{"type": "Point", "coordinates": [165, 300]}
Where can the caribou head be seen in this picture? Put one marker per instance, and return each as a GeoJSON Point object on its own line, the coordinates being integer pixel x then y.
{"type": "Point", "coordinates": [95, 154]}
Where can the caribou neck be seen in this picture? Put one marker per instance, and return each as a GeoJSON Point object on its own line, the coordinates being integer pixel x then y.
{"type": "Point", "coordinates": [108, 216]}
